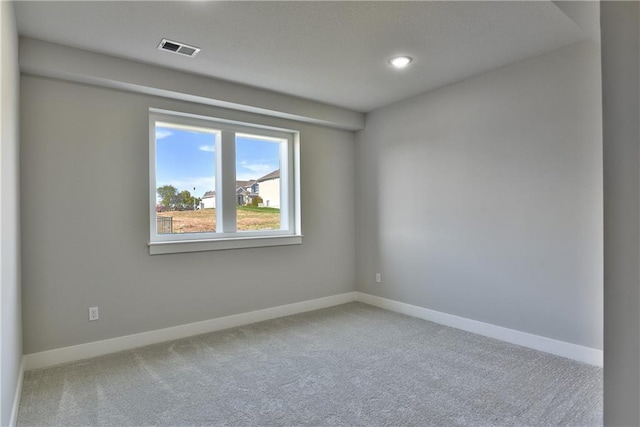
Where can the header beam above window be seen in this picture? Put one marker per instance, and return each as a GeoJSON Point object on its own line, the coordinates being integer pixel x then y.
{"type": "Point", "coordinates": [52, 60]}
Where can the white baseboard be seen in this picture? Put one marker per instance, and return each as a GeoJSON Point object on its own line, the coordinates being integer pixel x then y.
{"type": "Point", "coordinates": [98, 348]}
{"type": "Point", "coordinates": [16, 399]}
{"type": "Point", "coordinates": [560, 348]}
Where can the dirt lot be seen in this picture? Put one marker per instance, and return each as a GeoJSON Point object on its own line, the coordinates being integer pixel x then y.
{"type": "Point", "coordinates": [249, 218]}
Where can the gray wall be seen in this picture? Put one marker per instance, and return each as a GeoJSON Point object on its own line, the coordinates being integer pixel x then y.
{"type": "Point", "coordinates": [10, 305]}
{"type": "Point", "coordinates": [621, 112]}
{"type": "Point", "coordinates": [484, 199]}
{"type": "Point", "coordinates": [85, 223]}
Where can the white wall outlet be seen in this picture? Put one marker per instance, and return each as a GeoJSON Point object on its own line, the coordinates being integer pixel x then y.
{"type": "Point", "coordinates": [378, 278]}
{"type": "Point", "coordinates": [93, 313]}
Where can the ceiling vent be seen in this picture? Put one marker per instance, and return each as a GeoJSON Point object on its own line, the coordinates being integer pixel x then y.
{"type": "Point", "coordinates": [177, 47]}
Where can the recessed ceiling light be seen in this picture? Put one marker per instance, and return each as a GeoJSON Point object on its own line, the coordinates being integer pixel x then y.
{"type": "Point", "coordinates": [400, 61]}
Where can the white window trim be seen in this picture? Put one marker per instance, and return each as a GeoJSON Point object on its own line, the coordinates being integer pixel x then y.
{"type": "Point", "coordinates": [228, 238]}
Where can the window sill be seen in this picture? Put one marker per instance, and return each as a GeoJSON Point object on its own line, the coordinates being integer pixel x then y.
{"type": "Point", "coordinates": [174, 247]}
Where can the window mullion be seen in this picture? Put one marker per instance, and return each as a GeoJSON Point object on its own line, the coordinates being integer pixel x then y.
{"type": "Point", "coordinates": [284, 187]}
{"type": "Point", "coordinates": [226, 183]}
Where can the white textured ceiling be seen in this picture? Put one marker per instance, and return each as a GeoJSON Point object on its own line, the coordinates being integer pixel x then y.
{"type": "Point", "coordinates": [333, 52]}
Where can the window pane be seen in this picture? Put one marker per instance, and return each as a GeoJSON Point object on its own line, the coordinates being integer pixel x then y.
{"type": "Point", "coordinates": [258, 182]}
{"type": "Point", "coordinates": [185, 179]}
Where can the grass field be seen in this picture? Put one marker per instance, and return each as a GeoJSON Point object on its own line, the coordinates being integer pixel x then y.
{"type": "Point", "coordinates": [202, 221]}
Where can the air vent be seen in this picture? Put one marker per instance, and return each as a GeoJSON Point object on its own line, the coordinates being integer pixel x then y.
{"type": "Point", "coordinates": [177, 47]}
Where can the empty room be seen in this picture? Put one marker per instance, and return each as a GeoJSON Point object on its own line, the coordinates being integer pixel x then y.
{"type": "Point", "coordinates": [320, 213]}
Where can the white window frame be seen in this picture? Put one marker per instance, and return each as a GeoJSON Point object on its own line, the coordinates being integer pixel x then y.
{"type": "Point", "coordinates": [226, 235]}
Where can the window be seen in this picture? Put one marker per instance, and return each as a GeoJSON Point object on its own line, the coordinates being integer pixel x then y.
{"type": "Point", "coordinates": [220, 184]}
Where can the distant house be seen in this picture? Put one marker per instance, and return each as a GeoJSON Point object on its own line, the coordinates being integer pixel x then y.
{"type": "Point", "coordinates": [245, 192]}
{"type": "Point", "coordinates": [270, 189]}
{"type": "Point", "coordinates": [208, 200]}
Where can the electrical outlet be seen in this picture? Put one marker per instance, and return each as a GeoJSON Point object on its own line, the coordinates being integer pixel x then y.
{"type": "Point", "coordinates": [378, 278]}
{"type": "Point", "coordinates": [93, 313]}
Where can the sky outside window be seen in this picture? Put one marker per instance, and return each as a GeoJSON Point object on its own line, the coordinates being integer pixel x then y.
{"type": "Point", "coordinates": [185, 158]}
{"type": "Point", "coordinates": [256, 156]}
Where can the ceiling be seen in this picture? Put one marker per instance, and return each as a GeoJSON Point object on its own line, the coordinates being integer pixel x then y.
{"type": "Point", "coordinates": [332, 52]}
